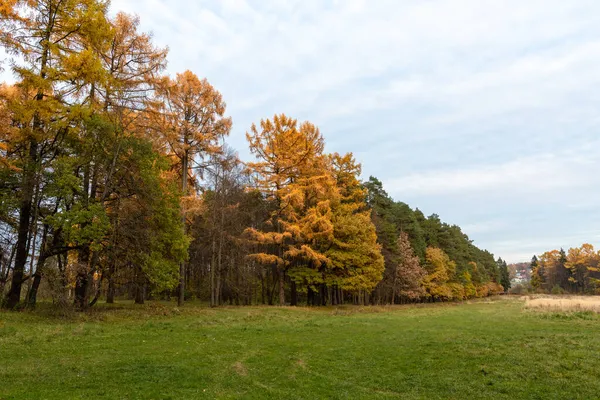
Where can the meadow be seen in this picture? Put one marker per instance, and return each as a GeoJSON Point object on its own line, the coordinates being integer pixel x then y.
{"type": "Point", "coordinates": [488, 349]}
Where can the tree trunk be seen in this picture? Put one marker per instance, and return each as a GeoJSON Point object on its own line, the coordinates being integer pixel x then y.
{"type": "Point", "coordinates": [110, 292]}
{"type": "Point", "coordinates": [281, 287]}
{"type": "Point", "coordinates": [271, 289]}
{"type": "Point", "coordinates": [37, 279]}
{"type": "Point", "coordinates": [220, 253]}
{"type": "Point", "coordinates": [184, 176]}
{"type": "Point", "coordinates": [82, 280]}
{"type": "Point", "coordinates": [262, 288]}
{"type": "Point", "coordinates": [14, 294]}
{"type": "Point", "coordinates": [213, 266]}
{"type": "Point", "coordinates": [110, 276]}
{"type": "Point", "coordinates": [32, 296]}
{"type": "Point", "coordinates": [4, 271]}
{"type": "Point", "coordinates": [81, 290]}
{"type": "Point", "coordinates": [83, 257]}
{"type": "Point", "coordinates": [218, 291]}
{"type": "Point", "coordinates": [98, 293]}
{"type": "Point", "coordinates": [140, 293]}
{"type": "Point", "coordinates": [294, 294]}
{"type": "Point", "coordinates": [26, 202]}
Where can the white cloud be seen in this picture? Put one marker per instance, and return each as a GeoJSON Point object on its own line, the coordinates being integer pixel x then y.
{"type": "Point", "coordinates": [298, 48]}
{"type": "Point", "coordinates": [524, 249]}
{"type": "Point", "coordinates": [525, 175]}
{"type": "Point", "coordinates": [491, 225]}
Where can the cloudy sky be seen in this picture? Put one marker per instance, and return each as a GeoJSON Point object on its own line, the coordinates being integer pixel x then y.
{"type": "Point", "coordinates": [486, 112]}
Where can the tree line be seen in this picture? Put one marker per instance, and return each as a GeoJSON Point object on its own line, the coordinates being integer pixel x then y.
{"type": "Point", "coordinates": [116, 181]}
{"type": "Point", "coordinates": [574, 271]}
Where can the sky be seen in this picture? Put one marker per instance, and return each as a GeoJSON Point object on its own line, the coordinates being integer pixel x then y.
{"type": "Point", "coordinates": [485, 112]}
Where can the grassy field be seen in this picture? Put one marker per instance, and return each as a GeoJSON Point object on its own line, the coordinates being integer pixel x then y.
{"type": "Point", "coordinates": [479, 350]}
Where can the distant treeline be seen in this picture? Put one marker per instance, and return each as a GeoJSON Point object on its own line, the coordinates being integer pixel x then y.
{"type": "Point", "coordinates": [574, 271]}
{"type": "Point", "coordinates": [116, 182]}
{"type": "Point", "coordinates": [426, 258]}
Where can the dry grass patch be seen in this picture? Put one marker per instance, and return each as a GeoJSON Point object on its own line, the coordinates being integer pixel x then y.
{"type": "Point", "coordinates": [240, 368]}
{"type": "Point", "coordinates": [564, 304]}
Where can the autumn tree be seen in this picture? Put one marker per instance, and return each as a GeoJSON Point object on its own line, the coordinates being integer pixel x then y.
{"type": "Point", "coordinates": [574, 271]}
{"type": "Point", "coordinates": [356, 265]}
{"type": "Point", "coordinates": [190, 114]}
{"type": "Point", "coordinates": [76, 145]}
{"type": "Point", "coordinates": [466, 279]}
{"type": "Point", "coordinates": [582, 263]}
{"type": "Point", "coordinates": [115, 94]}
{"type": "Point", "coordinates": [50, 37]}
{"type": "Point", "coordinates": [409, 272]}
{"type": "Point", "coordinates": [290, 173]}
{"type": "Point", "coordinates": [538, 276]}
{"type": "Point", "coordinates": [440, 269]}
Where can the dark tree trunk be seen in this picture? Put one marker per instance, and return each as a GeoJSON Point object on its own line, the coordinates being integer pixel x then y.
{"type": "Point", "coordinates": [39, 269]}
{"type": "Point", "coordinates": [262, 288]}
{"type": "Point", "coordinates": [82, 280]}
{"type": "Point", "coordinates": [32, 296]}
{"type": "Point", "coordinates": [81, 290]}
{"type": "Point", "coordinates": [213, 266]}
{"type": "Point", "coordinates": [110, 292]}
{"type": "Point", "coordinates": [4, 271]}
{"type": "Point", "coordinates": [281, 287]}
{"type": "Point", "coordinates": [218, 291]}
{"type": "Point", "coordinates": [312, 297]}
{"type": "Point", "coordinates": [294, 294]}
{"type": "Point", "coordinates": [97, 295]}
{"type": "Point", "coordinates": [25, 209]}
{"type": "Point", "coordinates": [140, 293]}
{"type": "Point", "coordinates": [272, 290]}
{"type": "Point", "coordinates": [37, 279]}
{"type": "Point", "coordinates": [184, 176]}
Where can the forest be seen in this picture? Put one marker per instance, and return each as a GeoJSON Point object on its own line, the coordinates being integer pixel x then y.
{"type": "Point", "coordinates": [116, 182]}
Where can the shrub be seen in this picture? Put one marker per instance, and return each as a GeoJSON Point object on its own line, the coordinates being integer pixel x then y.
{"type": "Point", "coordinates": [557, 290]}
{"type": "Point", "coordinates": [517, 289]}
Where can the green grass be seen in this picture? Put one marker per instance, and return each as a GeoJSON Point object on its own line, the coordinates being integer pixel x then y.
{"type": "Point", "coordinates": [480, 350]}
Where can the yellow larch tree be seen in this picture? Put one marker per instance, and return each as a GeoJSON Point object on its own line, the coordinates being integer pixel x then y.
{"type": "Point", "coordinates": [290, 172]}
{"type": "Point", "coordinates": [356, 262]}
{"type": "Point", "coordinates": [190, 114]}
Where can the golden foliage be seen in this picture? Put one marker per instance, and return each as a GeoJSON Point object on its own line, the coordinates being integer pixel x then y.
{"type": "Point", "coordinates": [190, 115]}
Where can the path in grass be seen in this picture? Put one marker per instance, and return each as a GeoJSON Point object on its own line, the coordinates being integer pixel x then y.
{"type": "Point", "coordinates": [489, 350]}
